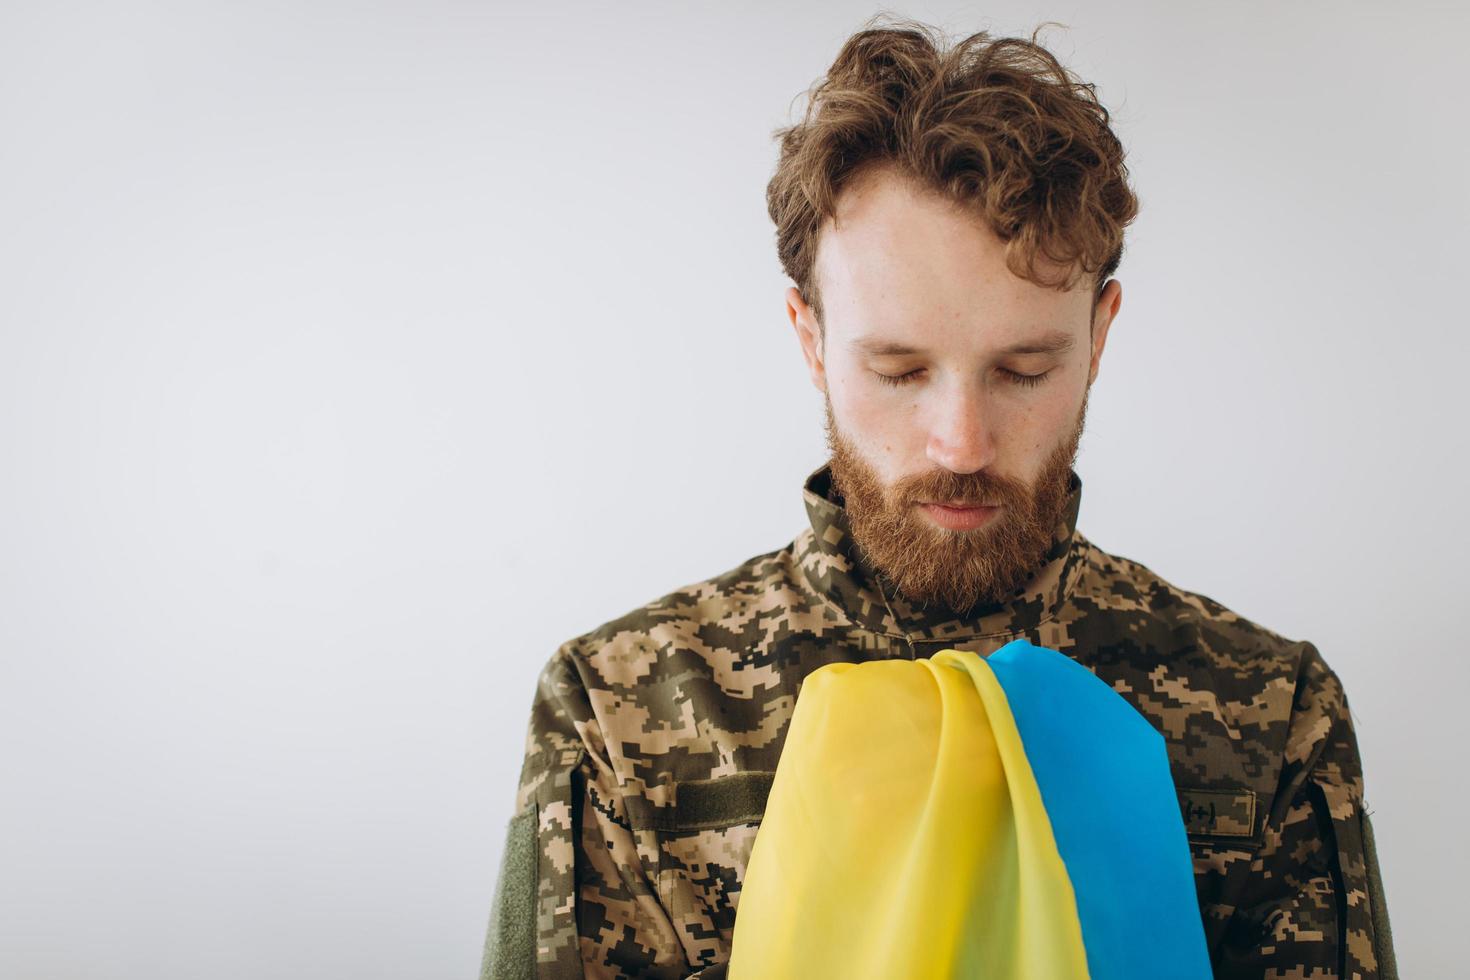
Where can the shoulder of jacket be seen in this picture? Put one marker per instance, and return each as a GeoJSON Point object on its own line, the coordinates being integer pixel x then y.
{"type": "Point", "coordinates": [628, 645]}
{"type": "Point", "coordinates": [1126, 586]}
{"type": "Point", "coordinates": [1180, 607]}
{"type": "Point", "coordinates": [1278, 696]}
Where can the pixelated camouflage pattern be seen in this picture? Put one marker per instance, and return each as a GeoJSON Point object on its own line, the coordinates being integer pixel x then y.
{"type": "Point", "coordinates": [701, 684]}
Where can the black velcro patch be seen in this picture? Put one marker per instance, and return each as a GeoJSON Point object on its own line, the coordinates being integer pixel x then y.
{"type": "Point", "coordinates": [703, 804]}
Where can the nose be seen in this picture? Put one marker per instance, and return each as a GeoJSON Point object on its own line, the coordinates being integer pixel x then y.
{"type": "Point", "coordinates": [961, 437]}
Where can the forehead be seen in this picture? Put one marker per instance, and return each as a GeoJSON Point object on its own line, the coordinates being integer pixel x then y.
{"type": "Point", "coordinates": [897, 257]}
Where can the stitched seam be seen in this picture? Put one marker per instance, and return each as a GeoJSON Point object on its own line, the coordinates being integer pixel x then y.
{"type": "Point", "coordinates": [720, 824]}
{"type": "Point", "coordinates": [826, 600]}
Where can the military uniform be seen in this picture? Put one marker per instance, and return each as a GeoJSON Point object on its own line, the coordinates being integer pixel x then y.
{"type": "Point", "coordinates": [653, 740]}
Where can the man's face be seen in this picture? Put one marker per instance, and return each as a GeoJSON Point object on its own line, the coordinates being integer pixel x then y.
{"type": "Point", "coordinates": [976, 418]}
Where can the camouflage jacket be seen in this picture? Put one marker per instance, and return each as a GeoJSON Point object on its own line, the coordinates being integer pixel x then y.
{"type": "Point", "coordinates": [653, 739]}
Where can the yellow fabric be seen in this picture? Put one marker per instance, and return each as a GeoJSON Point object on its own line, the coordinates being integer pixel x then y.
{"type": "Point", "coordinates": [905, 837]}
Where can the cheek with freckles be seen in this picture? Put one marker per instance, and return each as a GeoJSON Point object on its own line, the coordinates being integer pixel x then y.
{"type": "Point", "coordinates": [1045, 426]}
{"type": "Point", "coordinates": [882, 428]}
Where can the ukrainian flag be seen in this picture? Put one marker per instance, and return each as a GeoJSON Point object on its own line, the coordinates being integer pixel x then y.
{"type": "Point", "coordinates": [1009, 817]}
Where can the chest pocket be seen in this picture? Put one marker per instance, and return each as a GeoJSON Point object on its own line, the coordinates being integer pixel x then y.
{"type": "Point", "coordinates": [1227, 816]}
{"type": "Point", "coordinates": [705, 840]}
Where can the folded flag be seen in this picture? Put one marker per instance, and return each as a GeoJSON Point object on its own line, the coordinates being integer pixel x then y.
{"type": "Point", "coordinates": [1010, 817]}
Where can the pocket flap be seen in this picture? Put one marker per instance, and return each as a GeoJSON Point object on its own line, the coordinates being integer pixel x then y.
{"type": "Point", "coordinates": [1220, 815]}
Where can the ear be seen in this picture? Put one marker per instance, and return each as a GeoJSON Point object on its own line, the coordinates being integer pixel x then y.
{"type": "Point", "coordinates": [1102, 317]}
{"type": "Point", "coordinates": [809, 335]}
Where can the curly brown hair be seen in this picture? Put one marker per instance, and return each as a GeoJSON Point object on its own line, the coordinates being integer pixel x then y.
{"type": "Point", "coordinates": [995, 124]}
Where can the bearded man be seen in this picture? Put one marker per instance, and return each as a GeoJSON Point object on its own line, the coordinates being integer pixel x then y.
{"type": "Point", "coordinates": [951, 218]}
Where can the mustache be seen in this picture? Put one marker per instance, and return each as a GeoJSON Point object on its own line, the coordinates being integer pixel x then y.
{"type": "Point", "coordinates": [986, 491]}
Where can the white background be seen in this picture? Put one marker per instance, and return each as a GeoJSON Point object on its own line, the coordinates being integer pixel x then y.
{"type": "Point", "coordinates": [353, 356]}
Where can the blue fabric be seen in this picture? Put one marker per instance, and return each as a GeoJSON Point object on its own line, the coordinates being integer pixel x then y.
{"type": "Point", "coordinates": [1115, 815]}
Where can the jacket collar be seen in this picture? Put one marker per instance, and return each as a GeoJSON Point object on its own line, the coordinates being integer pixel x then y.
{"type": "Point", "coordinates": [835, 569]}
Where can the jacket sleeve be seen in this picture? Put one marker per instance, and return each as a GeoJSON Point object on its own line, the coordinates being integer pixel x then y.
{"type": "Point", "coordinates": [573, 898]}
{"type": "Point", "coordinates": [1312, 904]}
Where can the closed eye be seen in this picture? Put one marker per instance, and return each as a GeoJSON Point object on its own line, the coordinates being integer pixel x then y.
{"type": "Point", "coordinates": [1015, 377]}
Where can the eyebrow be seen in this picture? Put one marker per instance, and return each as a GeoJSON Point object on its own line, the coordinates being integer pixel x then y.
{"type": "Point", "coordinates": [1054, 342]}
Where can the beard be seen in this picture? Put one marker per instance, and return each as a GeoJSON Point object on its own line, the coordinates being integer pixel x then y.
{"type": "Point", "coordinates": [927, 563]}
